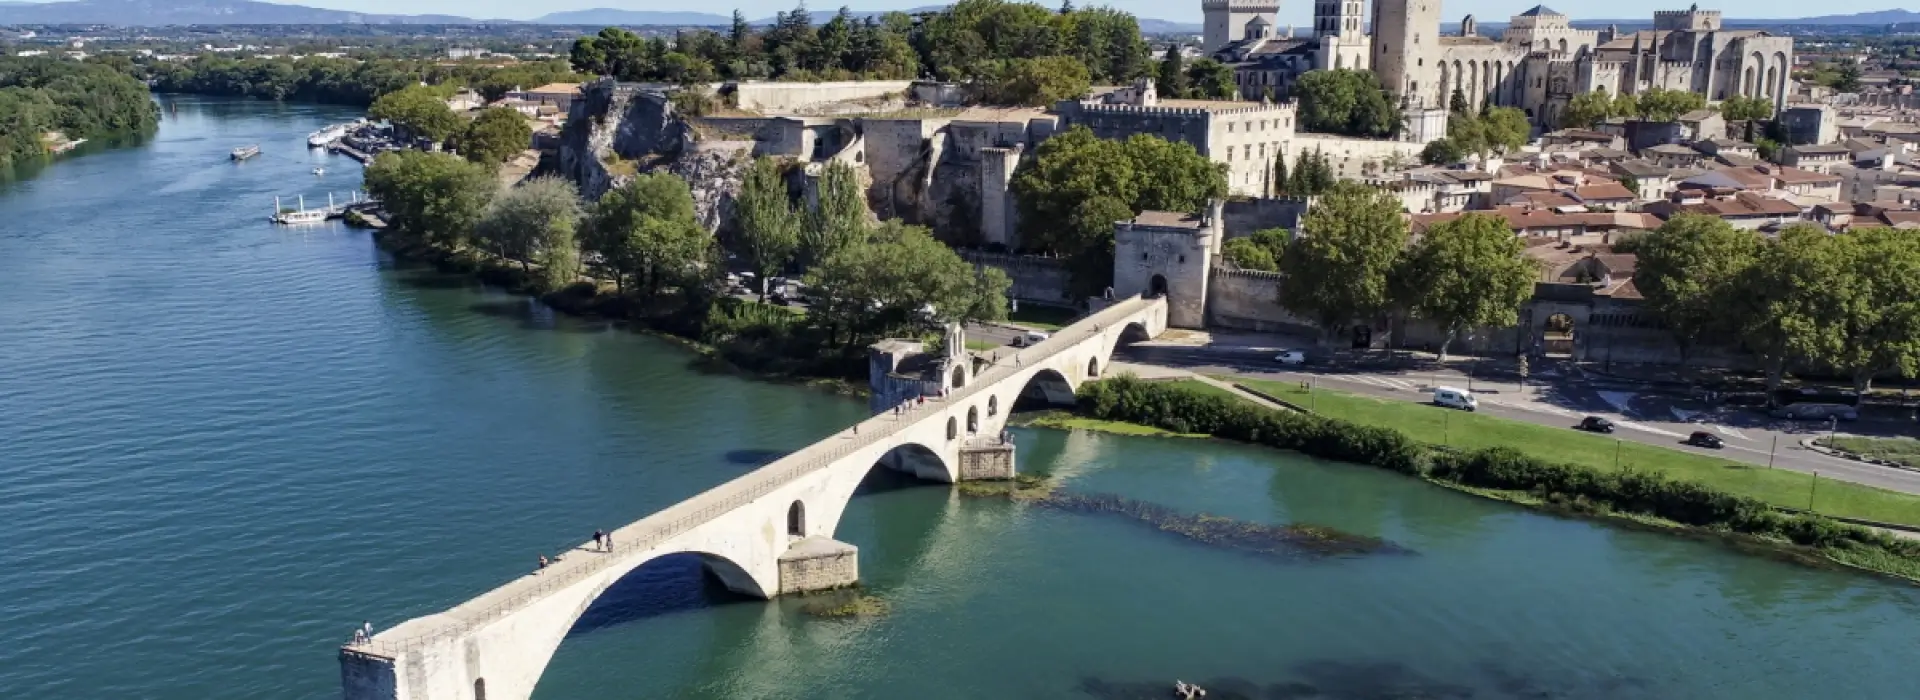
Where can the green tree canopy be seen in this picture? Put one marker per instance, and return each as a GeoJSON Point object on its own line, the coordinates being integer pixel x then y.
{"type": "Point", "coordinates": [1689, 270]}
{"type": "Point", "coordinates": [419, 109]}
{"type": "Point", "coordinates": [1743, 108]}
{"type": "Point", "coordinates": [1312, 175]}
{"type": "Point", "coordinates": [1586, 110]}
{"type": "Point", "coordinates": [1442, 151]}
{"type": "Point", "coordinates": [1171, 78]}
{"type": "Point", "coordinates": [840, 217]}
{"type": "Point", "coordinates": [1665, 105]}
{"type": "Point", "coordinates": [1467, 273]}
{"type": "Point", "coordinates": [648, 237]}
{"type": "Point", "coordinates": [535, 223]}
{"type": "Point", "coordinates": [1881, 327]}
{"type": "Point", "coordinates": [1261, 251]}
{"type": "Point", "coordinates": [900, 278]}
{"type": "Point", "coordinates": [1788, 303]}
{"type": "Point", "coordinates": [1211, 80]}
{"type": "Point", "coordinates": [1339, 270]}
{"type": "Point", "coordinates": [1349, 102]}
{"type": "Point", "coordinates": [497, 134]}
{"type": "Point", "coordinates": [432, 197]}
{"type": "Point", "coordinates": [769, 228]}
{"type": "Point", "coordinates": [1037, 82]}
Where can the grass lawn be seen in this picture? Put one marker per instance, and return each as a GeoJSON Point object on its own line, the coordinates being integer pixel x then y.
{"type": "Point", "coordinates": [1062, 420]}
{"type": "Point", "coordinates": [1903, 450]}
{"type": "Point", "coordinates": [1046, 318]}
{"type": "Point", "coordinates": [982, 345]}
{"type": "Point", "coordinates": [1436, 425]}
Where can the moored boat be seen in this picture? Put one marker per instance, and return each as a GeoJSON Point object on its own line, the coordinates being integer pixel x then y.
{"type": "Point", "coordinates": [245, 152]}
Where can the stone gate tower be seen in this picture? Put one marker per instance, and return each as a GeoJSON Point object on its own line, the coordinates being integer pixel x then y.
{"type": "Point", "coordinates": [1169, 254]}
{"type": "Point", "coordinates": [1227, 20]}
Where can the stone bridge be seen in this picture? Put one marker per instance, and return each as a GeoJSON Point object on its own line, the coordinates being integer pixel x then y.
{"type": "Point", "coordinates": [766, 533]}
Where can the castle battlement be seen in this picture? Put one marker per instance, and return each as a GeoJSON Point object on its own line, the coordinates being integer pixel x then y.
{"type": "Point", "coordinates": [1251, 108]}
{"type": "Point", "coordinates": [1241, 5]}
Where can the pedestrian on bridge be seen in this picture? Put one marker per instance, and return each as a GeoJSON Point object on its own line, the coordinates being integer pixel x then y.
{"type": "Point", "coordinates": [543, 562]}
{"type": "Point", "coordinates": [598, 538]}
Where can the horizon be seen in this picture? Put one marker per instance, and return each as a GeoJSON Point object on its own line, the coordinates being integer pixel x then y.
{"type": "Point", "coordinates": [1299, 13]}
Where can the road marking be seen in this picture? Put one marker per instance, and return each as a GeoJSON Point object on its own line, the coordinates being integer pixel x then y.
{"type": "Point", "coordinates": [1398, 383]}
{"type": "Point", "coordinates": [1619, 400]}
{"type": "Point", "coordinates": [1646, 428]}
{"type": "Point", "coordinates": [1731, 432]}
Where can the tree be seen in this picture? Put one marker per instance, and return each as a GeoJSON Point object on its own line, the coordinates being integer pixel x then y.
{"type": "Point", "coordinates": [420, 110]}
{"type": "Point", "coordinates": [1442, 151]}
{"type": "Point", "coordinates": [1338, 271]}
{"type": "Point", "coordinates": [839, 219]}
{"type": "Point", "coordinates": [433, 198]}
{"type": "Point", "coordinates": [1688, 271]}
{"type": "Point", "coordinates": [1768, 149]}
{"type": "Point", "coordinates": [1312, 175]}
{"type": "Point", "coordinates": [497, 134]}
{"type": "Point", "coordinates": [900, 279]}
{"type": "Point", "coordinates": [1880, 330]}
{"type": "Point", "coordinates": [1586, 110]}
{"type": "Point", "coordinates": [535, 223]}
{"type": "Point", "coordinates": [1038, 82]}
{"type": "Point", "coordinates": [1212, 80]}
{"type": "Point", "coordinates": [1664, 105]}
{"type": "Point", "coordinates": [1631, 183]}
{"type": "Point", "coordinates": [769, 230]}
{"type": "Point", "coordinates": [1172, 81]}
{"type": "Point", "coordinates": [1848, 78]}
{"type": "Point", "coordinates": [1349, 102]}
{"type": "Point", "coordinates": [1505, 128]}
{"type": "Point", "coordinates": [1457, 103]}
{"type": "Point", "coordinates": [1743, 108]}
{"type": "Point", "coordinates": [1791, 300]}
{"type": "Point", "coordinates": [647, 235]}
{"type": "Point", "coordinates": [1172, 175]}
{"type": "Point", "coordinates": [1280, 173]}
{"type": "Point", "coordinates": [1467, 273]}
{"type": "Point", "coordinates": [1260, 251]}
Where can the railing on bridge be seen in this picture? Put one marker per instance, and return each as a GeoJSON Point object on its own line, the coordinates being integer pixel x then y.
{"type": "Point", "coordinates": [738, 492]}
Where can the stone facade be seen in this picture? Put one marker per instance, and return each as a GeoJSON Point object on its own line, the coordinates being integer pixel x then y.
{"type": "Point", "coordinates": [775, 97]}
{"type": "Point", "coordinates": [818, 564]}
{"type": "Point", "coordinates": [990, 460]}
{"type": "Point", "coordinates": [1035, 278]}
{"type": "Point", "coordinates": [1162, 254]}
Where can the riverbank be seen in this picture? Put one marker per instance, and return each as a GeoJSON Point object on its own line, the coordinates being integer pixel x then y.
{"type": "Point", "coordinates": [671, 319]}
{"type": "Point", "coordinates": [1641, 499]}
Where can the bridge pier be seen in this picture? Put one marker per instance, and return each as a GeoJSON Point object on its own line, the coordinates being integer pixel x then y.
{"type": "Point", "coordinates": [986, 461]}
{"type": "Point", "coordinates": [818, 564]}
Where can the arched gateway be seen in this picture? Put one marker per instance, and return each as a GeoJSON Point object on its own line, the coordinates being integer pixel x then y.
{"type": "Point", "coordinates": [764, 534]}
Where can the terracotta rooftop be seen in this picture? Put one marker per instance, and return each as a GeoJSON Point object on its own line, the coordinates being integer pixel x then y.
{"type": "Point", "coordinates": [1605, 192]}
{"type": "Point", "coordinates": [1740, 205]}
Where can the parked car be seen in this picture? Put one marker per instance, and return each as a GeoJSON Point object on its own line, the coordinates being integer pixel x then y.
{"type": "Point", "coordinates": [1291, 357]}
{"type": "Point", "coordinates": [1816, 411]}
{"type": "Point", "coordinates": [1455, 398]}
{"type": "Point", "coordinates": [1596, 424]}
{"type": "Point", "coordinates": [1702, 438]}
{"type": "Point", "coordinates": [1029, 338]}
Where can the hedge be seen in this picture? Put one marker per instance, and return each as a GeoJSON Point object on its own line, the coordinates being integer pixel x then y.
{"type": "Point", "coordinates": [1172, 407]}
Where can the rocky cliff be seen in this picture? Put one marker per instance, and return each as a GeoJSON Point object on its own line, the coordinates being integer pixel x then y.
{"type": "Point", "coordinates": [616, 131]}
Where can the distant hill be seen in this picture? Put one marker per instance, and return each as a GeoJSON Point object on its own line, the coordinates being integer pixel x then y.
{"type": "Point", "coordinates": [1882, 17]}
{"type": "Point", "coordinates": [634, 18]}
{"type": "Point", "coordinates": [164, 12]}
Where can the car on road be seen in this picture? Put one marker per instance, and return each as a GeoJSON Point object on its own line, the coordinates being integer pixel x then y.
{"type": "Point", "coordinates": [1029, 338]}
{"type": "Point", "coordinates": [1596, 424]}
{"type": "Point", "coordinates": [1455, 398]}
{"type": "Point", "coordinates": [1816, 411]}
{"type": "Point", "coordinates": [1291, 357]}
{"type": "Point", "coordinates": [1702, 438]}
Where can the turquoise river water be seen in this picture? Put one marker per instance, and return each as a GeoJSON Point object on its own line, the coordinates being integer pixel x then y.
{"type": "Point", "coordinates": [223, 444]}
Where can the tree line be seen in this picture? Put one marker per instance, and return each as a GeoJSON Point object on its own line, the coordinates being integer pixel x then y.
{"type": "Point", "coordinates": [342, 80]}
{"type": "Point", "coordinates": [865, 280]}
{"type": "Point", "coordinates": [80, 100]}
{"type": "Point", "coordinates": [1847, 303]}
{"type": "Point", "coordinates": [1017, 52]}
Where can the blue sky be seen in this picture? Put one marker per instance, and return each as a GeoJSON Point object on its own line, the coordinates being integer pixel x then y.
{"type": "Point", "coordinates": [1298, 12]}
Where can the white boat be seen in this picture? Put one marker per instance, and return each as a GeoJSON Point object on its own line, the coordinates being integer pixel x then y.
{"type": "Point", "coordinates": [319, 171]}
{"type": "Point", "coordinates": [321, 138]}
{"type": "Point", "coordinates": [300, 215]}
{"type": "Point", "coordinates": [244, 152]}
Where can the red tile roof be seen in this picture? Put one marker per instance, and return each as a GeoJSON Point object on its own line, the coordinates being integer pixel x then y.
{"type": "Point", "coordinates": [1607, 192]}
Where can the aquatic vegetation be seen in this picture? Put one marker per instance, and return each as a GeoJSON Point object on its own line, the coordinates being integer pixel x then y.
{"type": "Point", "coordinates": [1289, 540]}
{"type": "Point", "coordinates": [846, 604]}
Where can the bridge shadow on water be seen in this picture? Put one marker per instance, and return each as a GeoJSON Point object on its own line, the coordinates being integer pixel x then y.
{"type": "Point", "coordinates": [754, 457]}
{"type": "Point", "coordinates": [671, 584]}
{"type": "Point", "coordinates": [1360, 679]}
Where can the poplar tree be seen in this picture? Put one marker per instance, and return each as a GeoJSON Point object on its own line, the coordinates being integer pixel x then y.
{"type": "Point", "coordinates": [839, 219]}
{"type": "Point", "coordinates": [769, 231]}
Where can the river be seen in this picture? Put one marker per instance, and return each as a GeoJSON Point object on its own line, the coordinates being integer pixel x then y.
{"type": "Point", "coordinates": [225, 443]}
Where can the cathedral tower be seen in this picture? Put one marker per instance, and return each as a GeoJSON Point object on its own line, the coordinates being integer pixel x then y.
{"type": "Point", "coordinates": [1406, 45]}
{"type": "Point", "coordinates": [1227, 20]}
{"type": "Point", "coordinates": [1342, 33]}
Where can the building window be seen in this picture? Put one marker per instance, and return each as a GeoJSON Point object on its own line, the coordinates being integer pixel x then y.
{"type": "Point", "coordinates": [1229, 127]}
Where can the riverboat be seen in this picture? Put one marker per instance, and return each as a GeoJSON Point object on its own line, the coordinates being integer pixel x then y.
{"type": "Point", "coordinates": [323, 137]}
{"type": "Point", "coordinates": [245, 152]}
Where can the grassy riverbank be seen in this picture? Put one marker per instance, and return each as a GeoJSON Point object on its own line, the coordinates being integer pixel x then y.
{"type": "Point", "coordinates": [728, 334]}
{"type": "Point", "coordinates": [1897, 450]}
{"type": "Point", "coordinates": [1640, 496]}
{"type": "Point", "coordinates": [1472, 431]}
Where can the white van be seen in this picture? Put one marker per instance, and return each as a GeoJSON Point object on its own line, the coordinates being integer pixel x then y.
{"type": "Point", "coordinates": [1455, 398]}
{"type": "Point", "coordinates": [1029, 339]}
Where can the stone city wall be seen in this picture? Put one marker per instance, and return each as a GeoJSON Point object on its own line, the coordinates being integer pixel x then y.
{"type": "Point", "coordinates": [1353, 158]}
{"type": "Point", "coordinates": [1248, 300]}
{"type": "Point", "coordinates": [1035, 278]}
{"type": "Point", "coordinates": [776, 97]}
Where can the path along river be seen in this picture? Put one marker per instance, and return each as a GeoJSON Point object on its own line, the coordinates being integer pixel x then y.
{"type": "Point", "coordinates": [224, 444]}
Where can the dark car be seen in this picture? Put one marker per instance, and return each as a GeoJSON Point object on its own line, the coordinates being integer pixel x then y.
{"type": "Point", "coordinates": [1596, 424]}
{"type": "Point", "coordinates": [1702, 438]}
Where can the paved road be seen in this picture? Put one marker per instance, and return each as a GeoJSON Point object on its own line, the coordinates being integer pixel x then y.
{"type": "Point", "coordinates": [1650, 418]}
